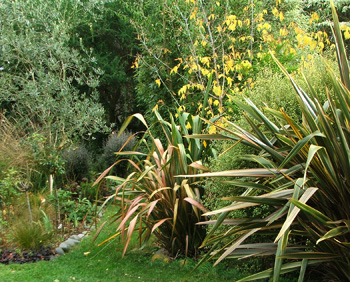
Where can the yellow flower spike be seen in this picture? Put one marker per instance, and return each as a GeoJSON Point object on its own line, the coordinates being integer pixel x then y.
{"type": "Point", "coordinates": [193, 15]}
{"type": "Point", "coordinates": [347, 34]}
{"type": "Point", "coordinates": [275, 12]}
{"type": "Point", "coordinates": [174, 69]}
{"type": "Point", "coordinates": [212, 129]}
{"type": "Point", "coordinates": [281, 16]}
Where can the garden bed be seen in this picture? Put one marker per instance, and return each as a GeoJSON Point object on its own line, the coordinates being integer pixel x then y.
{"type": "Point", "coordinates": [16, 256]}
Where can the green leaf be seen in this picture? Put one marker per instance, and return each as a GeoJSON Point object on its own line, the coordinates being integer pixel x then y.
{"type": "Point", "coordinates": [254, 172]}
{"type": "Point", "coordinates": [286, 268]}
{"type": "Point", "coordinates": [258, 200]}
{"type": "Point", "coordinates": [294, 212]}
{"type": "Point", "coordinates": [309, 256]}
{"type": "Point", "coordinates": [129, 119]}
{"type": "Point", "coordinates": [311, 211]}
{"type": "Point", "coordinates": [303, 270]}
{"type": "Point", "coordinates": [337, 231]}
{"type": "Point", "coordinates": [298, 146]}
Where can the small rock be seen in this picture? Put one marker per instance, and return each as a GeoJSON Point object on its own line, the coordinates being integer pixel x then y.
{"type": "Point", "coordinates": [59, 251]}
{"type": "Point", "coordinates": [90, 228]}
{"type": "Point", "coordinates": [162, 255]}
{"type": "Point", "coordinates": [75, 237]}
{"type": "Point", "coordinates": [72, 242]}
{"type": "Point", "coordinates": [64, 246]}
{"type": "Point", "coordinates": [84, 232]}
{"type": "Point", "coordinates": [81, 236]}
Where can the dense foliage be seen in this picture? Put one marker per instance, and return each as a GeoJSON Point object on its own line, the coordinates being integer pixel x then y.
{"type": "Point", "coordinates": [303, 179]}
{"type": "Point", "coordinates": [72, 71]}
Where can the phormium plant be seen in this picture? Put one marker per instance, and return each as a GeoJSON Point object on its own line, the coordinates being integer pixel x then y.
{"type": "Point", "coordinates": [152, 200]}
{"type": "Point", "coordinates": [305, 180]}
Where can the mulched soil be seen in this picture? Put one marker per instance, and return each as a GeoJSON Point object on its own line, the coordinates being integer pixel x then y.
{"type": "Point", "coordinates": [11, 256]}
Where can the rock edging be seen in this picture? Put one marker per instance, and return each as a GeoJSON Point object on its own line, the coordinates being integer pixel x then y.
{"type": "Point", "coordinates": [73, 240]}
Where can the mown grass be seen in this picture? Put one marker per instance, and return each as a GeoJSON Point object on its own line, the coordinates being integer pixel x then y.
{"type": "Point", "coordinates": [106, 264]}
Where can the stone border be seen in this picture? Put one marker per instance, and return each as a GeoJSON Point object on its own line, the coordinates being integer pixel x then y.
{"type": "Point", "coordinates": [73, 240]}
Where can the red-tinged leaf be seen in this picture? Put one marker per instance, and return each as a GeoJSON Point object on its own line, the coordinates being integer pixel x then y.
{"type": "Point", "coordinates": [103, 174]}
{"type": "Point", "coordinates": [175, 215]}
{"type": "Point", "coordinates": [159, 146]}
{"type": "Point", "coordinates": [199, 166]}
{"type": "Point", "coordinates": [159, 223]}
{"type": "Point", "coordinates": [158, 190]}
{"type": "Point", "coordinates": [127, 216]}
{"type": "Point", "coordinates": [129, 234]}
{"type": "Point", "coordinates": [98, 232]}
{"type": "Point", "coordinates": [129, 153]}
{"type": "Point", "coordinates": [196, 204]}
{"type": "Point", "coordinates": [151, 207]}
{"type": "Point", "coordinates": [186, 249]}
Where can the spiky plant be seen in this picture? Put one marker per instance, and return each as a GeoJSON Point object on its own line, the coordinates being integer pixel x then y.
{"type": "Point", "coordinates": [152, 200]}
{"type": "Point", "coordinates": [305, 179]}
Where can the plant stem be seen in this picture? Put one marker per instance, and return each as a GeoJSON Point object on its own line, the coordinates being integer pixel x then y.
{"type": "Point", "coordinates": [29, 208]}
{"type": "Point", "coordinates": [51, 183]}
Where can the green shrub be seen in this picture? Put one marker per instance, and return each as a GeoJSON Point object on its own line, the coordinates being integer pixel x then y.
{"type": "Point", "coordinates": [114, 144]}
{"type": "Point", "coordinates": [275, 90]}
{"type": "Point", "coordinates": [74, 209]}
{"type": "Point", "coordinates": [77, 163]}
{"type": "Point", "coordinates": [90, 192]}
{"type": "Point", "coordinates": [229, 158]}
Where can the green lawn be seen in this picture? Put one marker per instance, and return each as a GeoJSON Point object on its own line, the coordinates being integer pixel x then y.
{"type": "Point", "coordinates": [106, 264]}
